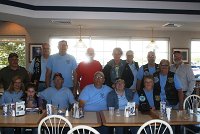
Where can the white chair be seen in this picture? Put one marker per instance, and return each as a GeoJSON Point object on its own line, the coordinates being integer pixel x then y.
{"type": "Point", "coordinates": [188, 103]}
{"type": "Point", "coordinates": [189, 100]}
{"type": "Point", "coordinates": [54, 124]}
{"type": "Point", "coordinates": [155, 126]}
{"type": "Point", "coordinates": [83, 129]}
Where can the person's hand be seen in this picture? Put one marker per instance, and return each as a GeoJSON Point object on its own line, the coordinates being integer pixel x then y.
{"type": "Point", "coordinates": [74, 92]}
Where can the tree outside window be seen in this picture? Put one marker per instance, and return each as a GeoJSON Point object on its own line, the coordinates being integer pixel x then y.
{"type": "Point", "coordinates": [12, 45]}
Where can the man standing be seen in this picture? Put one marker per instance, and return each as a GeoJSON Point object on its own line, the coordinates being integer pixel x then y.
{"type": "Point", "coordinates": [64, 64]}
{"type": "Point", "coordinates": [184, 73]}
{"type": "Point", "coordinates": [86, 69]}
{"type": "Point", "coordinates": [13, 69]}
{"type": "Point", "coordinates": [37, 68]}
{"type": "Point", "coordinates": [147, 69]}
{"type": "Point", "coordinates": [129, 74]}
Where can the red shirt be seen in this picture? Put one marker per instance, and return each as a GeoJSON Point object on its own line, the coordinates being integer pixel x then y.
{"type": "Point", "coordinates": [85, 72]}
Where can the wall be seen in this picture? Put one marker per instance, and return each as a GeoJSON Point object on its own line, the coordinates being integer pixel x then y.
{"type": "Point", "coordinates": [178, 39]}
{"type": "Point", "coordinates": [13, 29]}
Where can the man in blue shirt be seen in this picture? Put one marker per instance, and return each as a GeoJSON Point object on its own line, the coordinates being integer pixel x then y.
{"type": "Point", "coordinates": [147, 69]}
{"type": "Point", "coordinates": [58, 96]}
{"type": "Point", "coordinates": [64, 64]}
{"type": "Point", "coordinates": [93, 97]}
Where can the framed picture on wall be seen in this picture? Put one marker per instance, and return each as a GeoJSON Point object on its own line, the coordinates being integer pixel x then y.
{"type": "Point", "coordinates": [35, 49]}
{"type": "Point", "coordinates": [185, 53]}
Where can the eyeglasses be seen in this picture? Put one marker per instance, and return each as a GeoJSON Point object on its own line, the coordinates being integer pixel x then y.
{"type": "Point", "coordinates": [99, 77]}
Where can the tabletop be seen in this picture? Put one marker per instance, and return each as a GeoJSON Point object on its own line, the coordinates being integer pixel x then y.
{"type": "Point", "coordinates": [28, 120]}
{"type": "Point", "coordinates": [91, 119]}
{"type": "Point", "coordinates": [33, 119]}
{"type": "Point", "coordinates": [179, 117]}
{"type": "Point", "coordinates": [134, 120]}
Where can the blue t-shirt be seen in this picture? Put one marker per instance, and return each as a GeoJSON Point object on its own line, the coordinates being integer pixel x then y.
{"type": "Point", "coordinates": [122, 101]}
{"type": "Point", "coordinates": [62, 97]}
{"type": "Point", "coordinates": [65, 65]}
{"type": "Point", "coordinates": [95, 99]}
{"type": "Point", "coordinates": [9, 97]}
{"type": "Point", "coordinates": [140, 72]}
{"type": "Point", "coordinates": [149, 95]}
{"type": "Point", "coordinates": [163, 79]}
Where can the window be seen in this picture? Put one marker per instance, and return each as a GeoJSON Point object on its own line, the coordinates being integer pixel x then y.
{"type": "Point", "coordinates": [9, 45]}
{"type": "Point", "coordinates": [104, 47]}
{"type": "Point", "coordinates": [195, 57]}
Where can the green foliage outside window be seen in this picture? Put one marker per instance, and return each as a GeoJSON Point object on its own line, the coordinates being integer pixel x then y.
{"type": "Point", "coordinates": [12, 47]}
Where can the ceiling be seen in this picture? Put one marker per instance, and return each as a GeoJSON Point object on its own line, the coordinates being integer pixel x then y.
{"type": "Point", "coordinates": [123, 14]}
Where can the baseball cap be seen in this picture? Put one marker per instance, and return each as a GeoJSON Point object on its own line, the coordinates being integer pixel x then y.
{"type": "Point", "coordinates": [12, 55]}
{"type": "Point", "coordinates": [119, 80]}
{"type": "Point", "coordinates": [57, 74]}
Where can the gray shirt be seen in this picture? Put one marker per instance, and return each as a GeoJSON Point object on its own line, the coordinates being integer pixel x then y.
{"type": "Point", "coordinates": [186, 76]}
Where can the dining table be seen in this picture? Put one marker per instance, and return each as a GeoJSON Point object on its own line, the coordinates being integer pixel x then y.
{"type": "Point", "coordinates": [33, 119]}
{"type": "Point", "coordinates": [134, 120]}
{"type": "Point", "coordinates": [28, 120]}
{"type": "Point", "coordinates": [178, 117]}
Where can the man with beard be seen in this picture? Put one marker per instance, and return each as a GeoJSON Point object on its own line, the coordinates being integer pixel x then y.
{"type": "Point", "coordinates": [184, 73]}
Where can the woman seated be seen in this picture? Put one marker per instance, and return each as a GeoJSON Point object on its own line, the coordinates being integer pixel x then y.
{"type": "Point", "coordinates": [118, 98]}
{"type": "Point", "coordinates": [14, 92]}
{"type": "Point", "coordinates": [147, 99]}
{"type": "Point", "coordinates": [12, 95]}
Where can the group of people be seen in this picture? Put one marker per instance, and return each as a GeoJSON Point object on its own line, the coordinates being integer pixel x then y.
{"type": "Point", "coordinates": [57, 79]}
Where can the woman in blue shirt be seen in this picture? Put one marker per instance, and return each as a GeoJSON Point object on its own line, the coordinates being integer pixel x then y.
{"type": "Point", "coordinates": [118, 98]}
{"type": "Point", "coordinates": [12, 95]}
{"type": "Point", "coordinates": [147, 98]}
{"type": "Point", "coordinates": [14, 92]}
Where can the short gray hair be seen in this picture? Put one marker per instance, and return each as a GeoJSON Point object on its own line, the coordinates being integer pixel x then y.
{"type": "Point", "coordinates": [118, 49]}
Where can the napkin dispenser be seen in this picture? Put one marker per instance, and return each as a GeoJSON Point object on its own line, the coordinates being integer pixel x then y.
{"type": "Point", "coordinates": [77, 112]}
{"type": "Point", "coordinates": [129, 109]}
{"type": "Point", "coordinates": [20, 108]}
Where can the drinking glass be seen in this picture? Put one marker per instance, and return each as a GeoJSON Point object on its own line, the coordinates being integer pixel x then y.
{"type": "Point", "coordinates": [111, 110]}
{"type": "Point", "coordinates": [117, 112]}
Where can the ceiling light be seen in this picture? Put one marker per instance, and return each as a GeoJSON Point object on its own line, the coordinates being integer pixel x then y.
{"type": "Point", "coordinates": [80, 43]}
{"type": "Point", "coordinates": [172, 25]}
{"type": "Point", "coordinates": [152, 45]}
